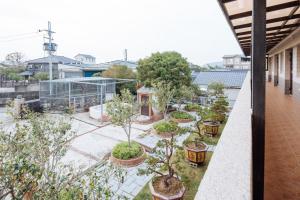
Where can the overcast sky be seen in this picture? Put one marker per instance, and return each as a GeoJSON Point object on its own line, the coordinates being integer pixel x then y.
{"type": "Point", "coordinates": [104, 28]}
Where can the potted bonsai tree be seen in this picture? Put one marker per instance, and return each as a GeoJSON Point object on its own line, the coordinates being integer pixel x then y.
{"type": "Point", "coordinates": [195, 150]}
{"type": "Point", "coordinates": [166, 129]}
{"type": "Point", "coordinates": [122, 112]}
{"type": "Point", "coordinates": [220, 108]}
{"type": "Point", "coordinates": [182, 117]}
{"type": "Point", "coordinates": [166, 185]}
{"type": "Point", "coordinates": [210, 122]}
{"type": "Point", "coordinates": [192, 107]}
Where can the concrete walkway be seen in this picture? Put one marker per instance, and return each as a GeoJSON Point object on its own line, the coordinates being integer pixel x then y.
{"type": "Point", "coordinates": [282, 150]}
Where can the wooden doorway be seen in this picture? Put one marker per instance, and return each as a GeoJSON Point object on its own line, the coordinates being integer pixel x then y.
{"type": "Point", "coordinates": [276, 70]}
{"type": "Point", "coordinates": [145, 105]}
{"type": "Point", "coordinates": [289, 71]}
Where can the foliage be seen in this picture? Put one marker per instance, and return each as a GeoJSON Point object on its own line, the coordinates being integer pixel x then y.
{"type": "Point", "coordinates": [122, 111]}
{"type": "Point", "coordinates": [181, 115]}
{"type": "Point", "coordinates": [163, 96]}
{"type": "Point", "coordinates": [220, 108]}
{"type": "Point", "coordinates": [207, 114]}
{"type": "Point", "coordinates": [12, 73]}
{"type": "Point", "coordinates": [41, 76]}
{"type": "Point", "coordinates": [125, 152]}
{"type": "Point", "coordinates": [184, 93]}
{"type": "Point", "coordinates": [14, 76]}
{"type": "Point", "coordinates": [169, 67]}
{"type": "Point", "coordinates": [216, 88]}
{"type": "Point", "coordinates": [120, 72]}
{"type": "Point", "coordinates": [166, 126]}
{"type": "Point", "coordinates": [192, 107]}
{"type": "Point", "coordinates": [161, 161]}
{"type": "Point", "coordinates": [31, 163]}
{"type": "Point", "coordinates": [15, 58]}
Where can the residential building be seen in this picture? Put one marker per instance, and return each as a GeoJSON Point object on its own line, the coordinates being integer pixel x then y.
{"type": "Point", "coordinates": [258, 154]}
{"type": "Point", "coordinates": [86, 59]}
{"type": "Point", "coordinates": [232, 80]}
{"type": "Point", "coordinates": [236, 62]}
{"type": "Point", "coordinates": [42, 64]}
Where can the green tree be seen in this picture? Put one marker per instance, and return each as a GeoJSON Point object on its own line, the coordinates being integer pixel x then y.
{"type": "Point", "coordinates": [169, 67]}
{"type": "Point", "coordinates": [31, 165]}
{"type": "Point", "coordinates": [216, 88]}
{"type": "Point", "coordinates": [122, 111]}
{"type": "Point", "coordinates": [164, 93]}
{"type": "Point", "coordinates": [184, 93]}
{"type": "Point", "coordinates": [41, 76]}
{"type": "Point", "coordinates": [120, 72]}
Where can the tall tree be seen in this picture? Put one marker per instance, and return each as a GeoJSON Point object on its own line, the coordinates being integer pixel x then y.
{"type": "Point", "coordinates": [169, 67]}
{"type": "Point", "coordinates": [15, 58]}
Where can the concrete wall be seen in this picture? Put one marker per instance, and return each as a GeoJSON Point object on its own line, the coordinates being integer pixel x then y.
{"type": "Point", "coordinates": [282, 50]}
{"type": "Point", "coordinates": [5, 97]}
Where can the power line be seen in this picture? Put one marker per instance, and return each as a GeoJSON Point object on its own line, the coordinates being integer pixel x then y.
{"type": "Point", "coordinates": [21, 38]}
{"type": "Point", "coordinates": [18, 35]}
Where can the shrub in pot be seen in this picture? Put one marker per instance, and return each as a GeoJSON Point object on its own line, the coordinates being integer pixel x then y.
{"type": "Point", "coordinates": [209, 120]}
{"type": "Point", "coordinates": [165, 185]}
{"type": "Point", "coordinates": [220, 108]}
{"type": "Point", "coordinates": [166, 128]}
{"type": "Point", "coordinates": [192, 107]}
{"type": "Point", "coordinates": [122, 112]}
{"type": "Point", "coordinates": [181, 117]}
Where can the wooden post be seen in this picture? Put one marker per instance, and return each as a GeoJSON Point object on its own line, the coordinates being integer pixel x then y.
{"type": "Point", "coordinates": [258, 65]}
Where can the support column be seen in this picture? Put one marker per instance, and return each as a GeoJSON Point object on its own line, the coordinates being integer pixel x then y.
{"type": "Point", "coordinates": [258, 65]}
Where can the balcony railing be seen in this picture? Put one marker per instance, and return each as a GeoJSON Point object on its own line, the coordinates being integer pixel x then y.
{"type": "Point", "coordinates": [228, 175]}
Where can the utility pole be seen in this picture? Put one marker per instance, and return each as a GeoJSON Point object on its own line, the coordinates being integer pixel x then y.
{"type": "Point", "coordinates": [50, 47]}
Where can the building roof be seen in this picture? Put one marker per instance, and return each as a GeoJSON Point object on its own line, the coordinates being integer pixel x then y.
{"type": "Point", "coordinates": [85, 55]}
{"type": "Point", "coordinates": [26, 73]}
{"type": "Point", "coordinates": [282, 19]}
{"type": "Point", "coordinates": [232, 56]}
{"type": "Point", "coordinates": [230, 78]}
{"type": "Point", "coordinates": [54, 59]}
{"type": "Point", "coordinates": [129, 64]}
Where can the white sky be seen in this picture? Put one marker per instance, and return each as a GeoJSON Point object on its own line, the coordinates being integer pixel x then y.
{"type": "Point", "coordinates": [104, 28]}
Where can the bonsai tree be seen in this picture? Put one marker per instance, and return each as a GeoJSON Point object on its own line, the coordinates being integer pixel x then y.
{"type": "Point", "coordinates": [182, 94]}
{"type": "Point", "coordinates": [216, 88]}
{"type": "Point", "coordinates": [164, 94]}
{"type": "Point", "coordinates": [220, 108]}
{"type": "Point", "coordinates": [31, 165]}
{"type": "Point", "coordinates": [162, 163]}
{"type": "Point", "coordinates": [122, 112]}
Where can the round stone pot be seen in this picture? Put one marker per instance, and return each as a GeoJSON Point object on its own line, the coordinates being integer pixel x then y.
{"type": "Point", "coordinates": [211, 127]}
{"type": "Point", "coordinates": [131, 162]}
{"type": "Point", "coordinates": [157, 196]}
{"type": "Point", "coordinates": [194, 155]}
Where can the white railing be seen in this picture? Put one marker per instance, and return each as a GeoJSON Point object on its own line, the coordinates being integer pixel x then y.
{"type": "Point", "coordinates": [228, 175]}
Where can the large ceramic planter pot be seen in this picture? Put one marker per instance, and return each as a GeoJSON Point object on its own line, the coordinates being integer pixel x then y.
{"type": "Point", "coordinates": [131, 162]}
{"type": "Point", "coordinates": [157, 196]}
{"type": "Point", "coordinates": [211, 127]}
{"type": "Point", "coordinates": [196, 154]}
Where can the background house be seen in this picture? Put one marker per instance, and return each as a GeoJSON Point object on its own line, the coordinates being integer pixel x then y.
{"type": "Point", "coordinates": [232, 80]}
{"type": "Point", "coordinates": [236, 62]}
{"type": "Point", "coordinates": [85, 58]}
{"type": "Point", "coordinates": [42, 64]}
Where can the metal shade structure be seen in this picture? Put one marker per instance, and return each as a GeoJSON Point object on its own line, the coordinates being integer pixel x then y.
{"type": "Point", "coordinates": [282, 18]}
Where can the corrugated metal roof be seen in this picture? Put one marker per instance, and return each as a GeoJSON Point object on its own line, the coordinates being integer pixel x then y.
{"type": "Point", "coordinates": [231, 79]}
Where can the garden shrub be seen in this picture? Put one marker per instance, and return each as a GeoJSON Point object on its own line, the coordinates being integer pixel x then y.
{"type": "Point", "coordinates": [181, 115]}
{"type": "Point", "coordinates": [192, 107]}
{"type": "Point", "coordinates": [124, 152]}
{"type": "Point", "coordinates": [165, 126]}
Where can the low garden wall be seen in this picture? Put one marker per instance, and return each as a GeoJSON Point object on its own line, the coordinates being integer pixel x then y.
{"type": "Point", "coordinates": [228, 175]}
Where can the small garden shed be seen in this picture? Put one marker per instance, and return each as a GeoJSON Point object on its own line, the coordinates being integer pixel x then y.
{"type": "Point", "coordinates": [144, 97]}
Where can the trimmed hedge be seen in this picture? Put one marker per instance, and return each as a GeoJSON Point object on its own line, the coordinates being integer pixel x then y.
{"type": "Point", "coordinates": [124, 152]}
{"type": "Point", "coordinates": [165, 126]}
{"type": "Point", "coordinates": [181, 115]}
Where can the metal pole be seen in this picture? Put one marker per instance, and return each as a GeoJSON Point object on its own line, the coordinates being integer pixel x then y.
{"type": "Point", "coordinates": [258, 65]}
{"type": "Point", "coordinates": [50, 56]}
{"type": "Point", "coordinates": [101, 103]}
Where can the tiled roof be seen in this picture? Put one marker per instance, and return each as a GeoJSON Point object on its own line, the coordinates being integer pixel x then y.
{"type": "Point", "coordinates": [85, 55]}
{"type": "Point", "coordinates": [231, 79]}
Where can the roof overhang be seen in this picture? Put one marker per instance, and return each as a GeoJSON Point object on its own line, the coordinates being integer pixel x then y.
{"type": "Point", "coordinates": [282, 18]}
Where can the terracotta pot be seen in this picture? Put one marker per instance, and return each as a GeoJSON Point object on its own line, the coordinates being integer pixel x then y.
{"type": "Point", "coordinates": [157, 196]}
{"type": "Point", "coordinates": [131, 162]}
{"type": "Point", "coordinates": [211, 127]}
{"type": "Point", "coordinates": [196, 156]}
